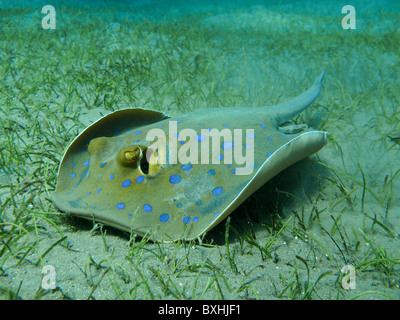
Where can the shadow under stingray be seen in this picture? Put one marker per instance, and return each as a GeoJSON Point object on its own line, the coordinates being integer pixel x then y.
{"type": "Point", "coordinates": [294, 187]}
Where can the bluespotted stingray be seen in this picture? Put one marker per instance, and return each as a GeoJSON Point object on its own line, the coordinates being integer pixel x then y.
{"type": "Point", "coordinates": [171, 178]}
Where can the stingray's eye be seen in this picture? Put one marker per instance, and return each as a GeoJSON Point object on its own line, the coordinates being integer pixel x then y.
{"type": "Point", "coordinates": [133, 155]}
{"type": "Point", "coordinates": [130, 156]}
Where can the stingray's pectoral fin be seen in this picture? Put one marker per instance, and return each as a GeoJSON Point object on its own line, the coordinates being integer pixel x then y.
{"type": "Point", "coordinates": [292, 128]}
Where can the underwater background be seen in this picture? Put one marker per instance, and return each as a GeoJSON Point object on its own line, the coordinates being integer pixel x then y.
{"type": "Point", "coordinates": [294, 238]}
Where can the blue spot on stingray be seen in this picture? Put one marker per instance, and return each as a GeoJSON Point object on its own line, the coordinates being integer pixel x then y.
{"type": "Point", "coordinates": [186, 220]}
{"type": "Point", "coordinates": [73, 164]}
{"type": "Point", "coordinates": [200, 138]}
{"type": "Point", "coordinates": [129, 130]}
{"type": "Point", "coordinates": [182, 142]}
{"type": "Point", "coordinates": [88, 194]}
{"type": "Point", "coordinates": [176, 135]}
{"type": "Point", "coordinates": [229, 165]}
{"type": "Point", "coordinates": [227, 145]}
{"type": "Point", "coordinates": [139, 179]}
{"type": "Point", "coordinates": [195, 219]}
{"type": "Point", "coordinates": [217, 191]}
{"type": "Point", "coordinates": [126, 183]}
{"type": "Point", "coordinates": [247, 146]}
{"type": "Point", "coordinates": [198, 203]}
{"type": "Point", "coordinates": [216, 214]}
{"type": "Point", "coordinates": [211, 172]}
{"type": "Point", "coordinates": [270, 138]}
{"type": "Point", "coordinates": [250, 135]}
{"type": "Point", "coordinates": [262, 125]}
{"type": "Point", "coordinates": [86, 163]}
{"type": "Point", "coordinates": [98, 191]}
{"type": "Point", "coordinates": [147, 207]}
{"type": "Point", "coordinates": [102, 165]}
{"type": "Point", "coordinates": [138, 131]}
{"type": "Point", "coordinates": [87, 175]}
{"type": "Point", "coordinates": [179, 205]}
{"type": "Point", "coordinates": [120, 206]}
{"type": "Point", "coordinates": [269, 154]}
{"type": "Point", "coordinates": [175, 179]}
{"type": "Point", "coordinates": [209, 129]}
{"type": "Point", "coordinates": [186, 167]}
{"type": "Point", "coordinates": [72, 175]}
{"type": "Point", "coordinates": [164, 217]}
{"type": "Point", "coordinates": [112, 176]}
{"type": "Point", "coordinates": [129, 215]}
{"type": "Point", "coordinates": [225, 125]}
{"type": "Point", "coordinates": [220, 157]}
{"type": "Point", "coordinates": [117, 130]}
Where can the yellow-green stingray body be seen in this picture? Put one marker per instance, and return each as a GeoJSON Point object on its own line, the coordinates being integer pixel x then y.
{"type": "Point", "coordinates": [105, 175]}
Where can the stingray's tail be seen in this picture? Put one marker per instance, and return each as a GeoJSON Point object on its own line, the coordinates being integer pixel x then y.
{"type": "Point", "coordinates": [287, 110]}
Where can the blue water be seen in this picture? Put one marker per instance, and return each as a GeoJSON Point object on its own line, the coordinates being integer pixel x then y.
{"type": "Point", "coordinates": [179, 8]}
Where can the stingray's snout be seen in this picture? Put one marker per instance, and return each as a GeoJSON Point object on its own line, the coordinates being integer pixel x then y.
{"type": "Point", "coordinates": [97, 145]}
